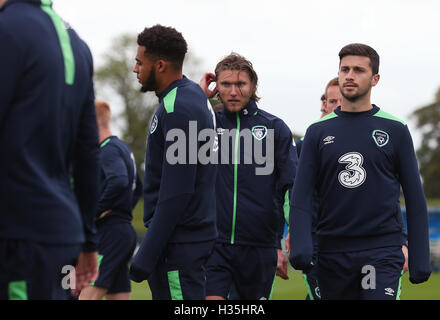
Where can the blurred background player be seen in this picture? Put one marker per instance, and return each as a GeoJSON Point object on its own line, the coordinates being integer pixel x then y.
{"type": "Point", "coordinates": [333, 96]}
{"type": "Point", "coordinates": [323, 111]}
{"type": "Point", "coordinates": [121, 188]}
{"type": "Point", "coordinates": [48, 131]}
{"type": "Point", "coordinates": [330, 100]}
{"type": "Point", "coordinates": [246, 256]}
{"type": "Point", "coordinates": [179, 198]}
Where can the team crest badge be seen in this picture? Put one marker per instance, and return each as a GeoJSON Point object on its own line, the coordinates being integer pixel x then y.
{"type": "Point", "coordinates": [380, 137]}
{"type": "Point", "coordinates": [154, 123]}
{"type": "Point", "coordinates": [259, 132]}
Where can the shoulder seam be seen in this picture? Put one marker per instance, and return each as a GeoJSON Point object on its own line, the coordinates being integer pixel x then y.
{"type": "Point", "coordinates": [169, 100]}
{"type": "Point", "coordinates": [385, 115]}
{"type": "Point", "coordinates": [262, 114]}
{"type": "Point", "coordinates": [327, 117]}
{"type": "Point", "coordinates": [104, 143]}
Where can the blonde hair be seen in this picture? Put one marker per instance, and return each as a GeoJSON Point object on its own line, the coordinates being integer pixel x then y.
{"type": "Point", "coordinates": [103, 113]}
{"type": "Point", "coordinates": [234, 61]}
{"type": "Point", "coordinates": [331, 83]}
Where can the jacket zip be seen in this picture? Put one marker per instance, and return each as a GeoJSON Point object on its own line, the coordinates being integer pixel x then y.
{"type": "Point", "coordinates": [234, 208]}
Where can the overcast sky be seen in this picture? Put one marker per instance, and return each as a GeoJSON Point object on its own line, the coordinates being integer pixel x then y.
{"type": "Point", "coordinates": [293, 45]}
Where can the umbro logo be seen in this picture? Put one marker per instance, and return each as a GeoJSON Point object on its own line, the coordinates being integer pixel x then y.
{"type": "Point", "coordinates": [389, 292]}
{"type": "Point", "coordinates": [329, 139]}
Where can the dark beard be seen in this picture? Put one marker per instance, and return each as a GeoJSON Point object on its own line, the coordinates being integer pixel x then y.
{"type": "Point", "coordinates": [355, 97]}
{"type": "Point", "coordinates": [150, 84]}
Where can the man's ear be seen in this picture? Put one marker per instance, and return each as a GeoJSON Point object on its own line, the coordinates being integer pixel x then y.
{"type": "Point", "coordinates": [375, 79]}
{"type": "Point", "coordinates": [161, 66]}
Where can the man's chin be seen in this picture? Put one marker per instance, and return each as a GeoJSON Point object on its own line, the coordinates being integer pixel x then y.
{"type": "Point", "coordinates": [352, 97]}
{"type": "Point", "coordinates": [234, 108]}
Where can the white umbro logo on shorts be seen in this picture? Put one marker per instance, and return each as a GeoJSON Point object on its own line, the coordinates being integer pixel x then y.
{"type": "Point", "coordinates": [389, 291]}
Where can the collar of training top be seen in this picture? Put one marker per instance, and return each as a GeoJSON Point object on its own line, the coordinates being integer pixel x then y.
{"type": "Point", "coordinates": [35, 2]}
{"type": "Point", "coordinates": [176, 83]}
{"type": "Point", "coordinates": [370, 112]}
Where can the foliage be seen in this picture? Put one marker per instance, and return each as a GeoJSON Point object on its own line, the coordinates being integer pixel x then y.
{"type": "Point", "coordinates": [428, 121]}
{"type": "Point", "coordinates": [117, 83]}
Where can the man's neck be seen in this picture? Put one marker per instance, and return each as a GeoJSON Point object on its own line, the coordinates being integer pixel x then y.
{"type": "Point", "coordinates": [104, 133]}
{"type": "Point", "coordinates": [167, 80]}
{"type": "Point", "coordinates": [360, 105]}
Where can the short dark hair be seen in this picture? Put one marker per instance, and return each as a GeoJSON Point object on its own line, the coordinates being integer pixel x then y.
{"type": "Point", "coordinates": [359, 49]}
{"type": "Point", "coordinates": [234, 61]}
{"type": "Point", "coordinates": [164, 43]}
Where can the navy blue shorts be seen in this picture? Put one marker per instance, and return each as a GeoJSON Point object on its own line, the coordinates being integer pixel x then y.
{"type": "Point", "coordinates": [180, 273]}
{"type": "Point", "coordinates": [249, 272]}
{"type": "Point", "coordinates": [117, 242]}
{"type": "Point", "coordinates": [33, 271]}
{"type": "Point", "coordinates": [373, 274]}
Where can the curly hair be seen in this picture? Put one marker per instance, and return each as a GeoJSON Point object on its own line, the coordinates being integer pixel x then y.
{"type": "Point", "coordinates": [234, 61]}
{"type": "Point", "coordinates": [164, 43]}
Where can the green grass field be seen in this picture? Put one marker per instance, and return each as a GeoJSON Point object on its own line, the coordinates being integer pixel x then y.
{"type": "Point", "coordinates": [294, 288]}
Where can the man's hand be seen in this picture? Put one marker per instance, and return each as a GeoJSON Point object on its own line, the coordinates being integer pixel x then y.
{"type": "Point", "coordinates": [282, 265]}
{"type": "Point", "coordinates": [207, 79]}
{"type": "Point", "coordinates": [405, 253]}
{"type": "Point", "coordinates": [288, 242]}
{"type": "Point", "coordinates": [86, 271]}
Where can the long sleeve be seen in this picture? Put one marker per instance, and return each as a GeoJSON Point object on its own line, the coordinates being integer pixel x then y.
{"type": "Point", "coordinates": [137, 191]}
{"type": "Point", "coordinates": [416, 211]}
{"type": "Point", "coordinates": [286, 159]}
{"type": "Point", "coordinates": [10, 66]}
{"type": "Point", "coordinates": [302, 206]}
{"type": "Point", "coordinates": [279, 211]}
{"type": "Point", "coordinates": [176, 188]}
{"type": "Point", "coordinates": [116, 177]}
{"type": "Point", "coordinates": [156, 239]}
{"type": "Point", "coordinates": [86, 171]}
{"type": "Point", "coordinates": [286, 163]}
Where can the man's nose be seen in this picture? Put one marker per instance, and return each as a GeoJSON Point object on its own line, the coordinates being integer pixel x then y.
{"type": "Point", "coordinates": [234, 90]}
{"type": "Point", "coordinates": [350, 75]}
